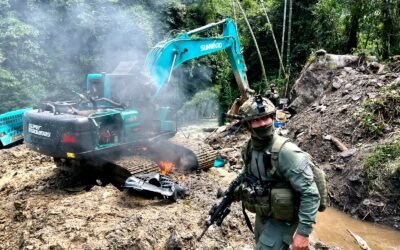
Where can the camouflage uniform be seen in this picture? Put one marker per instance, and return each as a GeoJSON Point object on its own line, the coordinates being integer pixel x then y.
{"type": "Point", "coordinates": [291, 202]}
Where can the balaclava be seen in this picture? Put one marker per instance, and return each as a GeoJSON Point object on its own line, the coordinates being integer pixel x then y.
{"type": "Point", "coordinates": [261, 137]}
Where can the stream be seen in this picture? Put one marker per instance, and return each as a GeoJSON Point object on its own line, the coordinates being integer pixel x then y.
{"type": "Point", "coordinates": [332, 226]}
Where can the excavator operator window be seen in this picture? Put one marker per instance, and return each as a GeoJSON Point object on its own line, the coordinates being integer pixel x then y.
{"type": "Point", "coordinates": [96, 88]}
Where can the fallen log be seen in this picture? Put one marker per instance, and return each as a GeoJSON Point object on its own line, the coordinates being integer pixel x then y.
{"type": "Point", "coordinates": [340, 145]}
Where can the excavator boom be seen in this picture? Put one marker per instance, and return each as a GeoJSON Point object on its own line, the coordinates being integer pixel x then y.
{"type": "Point", "coordinates": [170, 54]}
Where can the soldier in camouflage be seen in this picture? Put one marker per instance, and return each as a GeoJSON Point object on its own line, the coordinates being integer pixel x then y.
{"type": "Point", "coordinates": [278, 184]}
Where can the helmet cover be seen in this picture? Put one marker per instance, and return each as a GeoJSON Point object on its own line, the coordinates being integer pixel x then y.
{"type": "Point", "coordinates": [256, 107]}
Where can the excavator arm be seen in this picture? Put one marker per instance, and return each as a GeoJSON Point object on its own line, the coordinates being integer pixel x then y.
{"type": "Point", "coordinates": [170, 54]}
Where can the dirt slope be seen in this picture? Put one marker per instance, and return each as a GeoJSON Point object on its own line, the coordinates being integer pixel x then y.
{"type": "Point", "coordinates": [341, 91]}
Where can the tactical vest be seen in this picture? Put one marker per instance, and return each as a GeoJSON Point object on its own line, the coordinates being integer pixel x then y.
{"type": "Point", "coordinates": [280, 201]}
{"type": "Point", "coordinates": [264, 191]}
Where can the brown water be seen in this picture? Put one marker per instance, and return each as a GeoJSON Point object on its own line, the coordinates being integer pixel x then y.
{"type": "Point", "coordinates": [332, 226]}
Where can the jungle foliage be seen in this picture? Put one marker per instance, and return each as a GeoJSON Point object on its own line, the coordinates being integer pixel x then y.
{"type": "Point", "coordinates": [380, 114]}
{"type": "Point", "coordinates": [47, 47]}
{"type": "Point", "coordinates": [382, 166]}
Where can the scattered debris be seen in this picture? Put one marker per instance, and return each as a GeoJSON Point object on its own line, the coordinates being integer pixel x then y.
{"type": "Point", "coordinates": [174, 242]}
{"type": "Point", "coordinates": [155, 184]}
{"type": "Point", "coordinates": [360, 241]}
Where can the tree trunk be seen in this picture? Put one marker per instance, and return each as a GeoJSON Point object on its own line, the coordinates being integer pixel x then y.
{"type": "Point", "coordinates": [352, 41]}
{"type": "Point", "coordinates": [387, 28]}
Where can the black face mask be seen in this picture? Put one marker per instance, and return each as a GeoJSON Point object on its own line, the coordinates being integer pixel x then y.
{"type": "Point", "coordinates": [263, 133]}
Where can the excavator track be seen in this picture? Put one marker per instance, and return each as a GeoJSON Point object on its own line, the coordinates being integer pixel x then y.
{"type": "Point", "coordinates": [140, 162]}
{"type": "Point", "coordinates": [204, 153]}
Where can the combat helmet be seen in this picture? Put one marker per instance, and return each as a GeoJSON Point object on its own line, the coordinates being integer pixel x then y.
{"type": "Point", "coordinates": [256, 107]}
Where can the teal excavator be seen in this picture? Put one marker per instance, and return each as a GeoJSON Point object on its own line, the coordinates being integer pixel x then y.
{"type": "Point", "coordinates": [120, 110]}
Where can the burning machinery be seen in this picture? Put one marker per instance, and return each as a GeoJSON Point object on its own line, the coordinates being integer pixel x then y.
{"type": "Point", "coordinates": [121, 109]}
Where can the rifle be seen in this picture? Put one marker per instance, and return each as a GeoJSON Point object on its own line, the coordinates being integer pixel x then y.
{"type": "Point", "coordinates": [218, 212]}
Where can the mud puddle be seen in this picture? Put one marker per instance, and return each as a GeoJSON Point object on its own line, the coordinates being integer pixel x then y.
{"type": "Point", "coordinates": [332, 228]}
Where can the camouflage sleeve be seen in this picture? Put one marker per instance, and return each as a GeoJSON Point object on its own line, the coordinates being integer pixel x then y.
{"type": "Point", "coordinates": [294, 166]}
{"type": "Point", "coordinates": [243, 157]}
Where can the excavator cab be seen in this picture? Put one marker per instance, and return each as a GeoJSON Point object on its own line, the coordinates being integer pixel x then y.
{"type": "Point", "coordinates": [95, 85]}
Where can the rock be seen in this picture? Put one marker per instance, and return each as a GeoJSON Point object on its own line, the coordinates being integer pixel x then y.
{"type": "Point", "coordinates": [348, 132]}
{"type": "Point", "coordinates": [308, 88]}
{"type": "Point", "coordinates": [337, 85]}
{"type": "Point", "coordinates": [300, 135]}
{"type": "Point", "coordinates": [348, 153]}
{"type": "Point", "coordinates": [221, 129]}
{"type": "Point", "coordinates": [369, 202]}
{"type": "Point", "coordinates": [284, 132]}
{"type": "Point", "coordinates": [356, 97]}
{"type": "Point", "coordinates": [56, 247]}
{"type": "Point", "coordinates": [338, 166]}
{"type": "Point", "coordinates": [371, 95]}
{"type": "Point", "coordinates": [19, 217]}
{"type": "Point", "coordinates": [20, 205]}
{"type": "Point", "coordinates": [347, 86]}
{"type": "Point", "coordinates": [322, 101]}
{"type": "Point", "coordinates": [353, 178]}
{"type": "Point", "coordinates": [348, 69]}
{"type": "Point", "coordinates": [343, 108]}
{"type": "Point", "coordinates": [327, 137]}
{"type": "Point", "coordinates": [321, 108]}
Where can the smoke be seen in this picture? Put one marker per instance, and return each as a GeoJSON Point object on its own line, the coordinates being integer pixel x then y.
{"type": "Point", "coordinates": [81, 37]}
{"type": "Point", "coordinates": [94, 36]}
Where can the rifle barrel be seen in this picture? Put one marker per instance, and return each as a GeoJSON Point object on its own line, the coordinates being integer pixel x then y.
{"type": "Point", "coordinates": [202, 233]}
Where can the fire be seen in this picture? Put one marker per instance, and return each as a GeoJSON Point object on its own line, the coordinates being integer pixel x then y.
{"type": "Point", "coordinates": [166, 167]}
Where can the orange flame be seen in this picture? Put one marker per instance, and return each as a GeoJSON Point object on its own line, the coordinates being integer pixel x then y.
{"type": "Point", "coordinates": [166, 167]}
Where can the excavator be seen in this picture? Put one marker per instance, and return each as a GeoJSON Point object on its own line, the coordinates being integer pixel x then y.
{"type": "Point", "coordinates": [120, 111]}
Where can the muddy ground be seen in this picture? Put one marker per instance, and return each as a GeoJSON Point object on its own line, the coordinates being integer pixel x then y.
{"type": "Point", "coordinates": [44, 208]}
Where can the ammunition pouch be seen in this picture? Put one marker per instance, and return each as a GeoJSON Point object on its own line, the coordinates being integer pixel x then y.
{"type": "Point", "coordinates": [283, 204]}
{"type": "Point", "coordinates": [269, 199]}
{"type": "Point", "coordinates": [256, 202]}
{"type": "Point", "coordinates": [256, 197]}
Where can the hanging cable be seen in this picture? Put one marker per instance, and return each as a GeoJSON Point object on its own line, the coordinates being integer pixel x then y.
{"type": "Point", "coordinates": [283, 32]}
{"type": "Point", "coordinates": [233, 12]}
{"type": "Point", "coordinates": [255, 41]}
{"type": "Point", "coordinates": [288, 47]}
{"type": "Point", "coordinates": [273, 36]}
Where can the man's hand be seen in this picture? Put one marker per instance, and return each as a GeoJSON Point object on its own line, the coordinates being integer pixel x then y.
{"type": "Point", "coordinates": [300, 242]}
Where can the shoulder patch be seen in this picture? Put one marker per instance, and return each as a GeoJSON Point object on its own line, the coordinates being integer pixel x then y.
{"type": "Point", "coordinates": [292, 158]}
